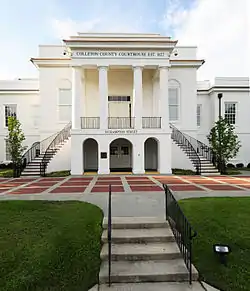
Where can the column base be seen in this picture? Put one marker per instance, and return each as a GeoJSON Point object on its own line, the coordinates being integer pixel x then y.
{"type": "Point", "coordinates": [138, 172]}
{"type": "Point", "coordinates": [103, 172]}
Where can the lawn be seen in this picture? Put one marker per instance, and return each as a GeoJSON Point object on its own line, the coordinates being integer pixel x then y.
{"type": "Point", "coordinates": [49, 246]}
{"type": "Point", "coordinates": [227, 221]}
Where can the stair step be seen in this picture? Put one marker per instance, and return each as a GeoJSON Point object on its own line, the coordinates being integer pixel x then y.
{"type": "Point", "coordinates": [141, 252]}
{"type": "Point", "coordinates": [136, 222]}
{"type": "Point", "coordinates": [139, 235]}
{"type": "Point", "coordinates": [158, 286]}
{"type": "Point", "coordinates": [146, 271]}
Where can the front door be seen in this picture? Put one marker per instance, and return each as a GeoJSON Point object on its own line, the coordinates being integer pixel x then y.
{"type": "Point", "coordinates": [120, 157]}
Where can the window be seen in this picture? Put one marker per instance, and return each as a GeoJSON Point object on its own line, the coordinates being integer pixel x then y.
{"type": "Point", "coordinates": [199, 115]}
{"type": "Point", "coordinates": [7, 150]}
{"type": "Point", "coordinates": [113, 151]}
{"type": "Point", "coordinates": [230, 112]}
{"type": "Point", "coordinates": [10, 110]}
{"type": "Point", "coordinates": [64, 105]}
{"type": "Point", "coordinates": [125, 150]}
{"type": "Point", "coordinates": [173, 104]}
{"type": "Point", "coordinates": [119, 98]}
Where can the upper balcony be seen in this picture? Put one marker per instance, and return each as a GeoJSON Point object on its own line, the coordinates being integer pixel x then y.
{"type": "Point", "coordinates": [120, 122]}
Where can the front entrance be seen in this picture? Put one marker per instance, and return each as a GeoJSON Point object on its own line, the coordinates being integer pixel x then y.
{"type": "Point", "coordinates": [151, 154]}
{"type": "Point", "coordinates": [90, 155]}
{"type": "Point", "coordinates": [121, 155]}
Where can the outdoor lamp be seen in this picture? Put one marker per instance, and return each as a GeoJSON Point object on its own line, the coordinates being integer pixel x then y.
{"type": "Point", "coordinates": [222, 251]}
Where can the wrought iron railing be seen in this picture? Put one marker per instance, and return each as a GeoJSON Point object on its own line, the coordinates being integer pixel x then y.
{"type": "Point", "coordinates": [181, 139]}
{"type": "Point", "coordinates": [202, 149]}
{"type": "Point", "coordinates": [182, 229]}
{"type": "Point", "coordinates": [109, 232]}
{"type": "Point", "coordinates": [52, 148]}
{"type": "Point", "coordinates": [90, 122]}
{"type": "Point", "coordinates": [121, 122]}
{"type": "Point", "coordinates": [151, 122]}
{"type": "Point", "coordinates": [35, 150]}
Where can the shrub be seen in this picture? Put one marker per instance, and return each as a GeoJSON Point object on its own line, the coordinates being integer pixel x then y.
{"type": "Point", "coordinates": [229, 165]}
{"type": "Point", "coordinates": [240, 165]}
{"type": "Point", "coordinates": [248, 166]}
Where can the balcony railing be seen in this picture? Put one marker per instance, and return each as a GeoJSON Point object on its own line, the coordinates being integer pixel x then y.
{"type": "Point", "coordinates": [151, 122]}
{"type": "Point", "coordinates": [121, 122]}
{"type": "Point", "coordinates": [90, 122]}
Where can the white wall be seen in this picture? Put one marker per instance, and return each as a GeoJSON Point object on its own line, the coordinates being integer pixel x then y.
{"type": "Point", "coordinates": [23, 93]}
{"type": "Point", "coordinates": [61, 161]}
{"type": "Point", "coordinates": [180, 159]}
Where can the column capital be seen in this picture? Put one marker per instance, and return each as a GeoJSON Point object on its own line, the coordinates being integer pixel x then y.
{"type": "Point", "coordinates": [140, 67]}
{"type": "Point", "coordinates": [102, 67]}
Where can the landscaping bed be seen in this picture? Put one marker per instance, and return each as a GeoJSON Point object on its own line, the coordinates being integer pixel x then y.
{"type": "Point", "coordinates": [226, 221]}
{"type": "Point", "coordinates": [49, 246]}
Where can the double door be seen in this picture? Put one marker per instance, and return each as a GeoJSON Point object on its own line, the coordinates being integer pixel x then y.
{"type": "Point", "coordinates": [120, 157]}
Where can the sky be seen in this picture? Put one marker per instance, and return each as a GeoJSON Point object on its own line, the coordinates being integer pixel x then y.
{"type": "Point", "coordinates": [219, 28]}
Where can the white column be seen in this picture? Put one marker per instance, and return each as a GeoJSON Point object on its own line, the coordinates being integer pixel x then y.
{"type": "Point", "coordinates": [165, 154]}
{"type": "Point", "coordinates": [77, 95]}
{"type": "Point", "coordinates": [76, 155]}
{"type": "Point", "coordinates": [138, 97]}
{"type": "Point", "coordinates": [103, 163]}
{"type": "Point", "coordinates": [103, 96]}
{"type": "Point", "coordinates": [138, 156]}
{"type": "Point", "coordinates": [164, 110]}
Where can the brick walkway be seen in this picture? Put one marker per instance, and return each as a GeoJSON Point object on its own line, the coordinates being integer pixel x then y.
{"type": "Point", "coordinates": [128, 184]}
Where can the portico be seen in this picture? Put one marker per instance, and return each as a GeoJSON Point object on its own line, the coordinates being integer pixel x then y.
{"type": "Point", "coordinates": [120, 99]}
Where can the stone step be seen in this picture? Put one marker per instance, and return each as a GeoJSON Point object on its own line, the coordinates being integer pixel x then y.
{"type": "Point", "coordinates": [209, 170]}
{"type": "Point", "coordinates": [146, 271]}
{"type": "Point", "coordinates": [161, 286]}
{"type": "Point", "coordinates": [139, 235]}
{"type": "Point", "coordinates": [136, 222]}
{"type": "Point", "coordinates": [141, 252]}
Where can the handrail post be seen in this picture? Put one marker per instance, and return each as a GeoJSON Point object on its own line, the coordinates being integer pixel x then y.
{"type": "Point", "coordinates": [109, 232]}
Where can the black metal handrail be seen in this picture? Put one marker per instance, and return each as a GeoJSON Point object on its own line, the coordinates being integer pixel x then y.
{"type": "Point", "coordinates": [151, 122]}
{"type": "Point", "coordinates": [182, 229]}
{"type": "Point", "coordinates": [121, 122]}
{"type": "Point", "coordinates": [58, 139]}
{"type": "Point", "coordinates": [181, 139]}
{"type": "Point", "coordinates": [202, 149]}
{"type": "Point", "coordinates": [35, 150]}
{"type": "Point", "coordinates": [90, 122]}
{"type": "Point", "coordinates": [109, 232]}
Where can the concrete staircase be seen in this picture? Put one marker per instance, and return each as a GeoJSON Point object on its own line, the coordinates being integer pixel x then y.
{"type": "Point", "coordinates": [33, 168]}
{"type": "Point", "coordinates": [143, 251]}
{"type": "Point", "coordinates": [207, 168]}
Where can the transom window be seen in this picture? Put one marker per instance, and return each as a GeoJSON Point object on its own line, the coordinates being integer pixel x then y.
{"type": "Point", "coordinates": [119, 98]}
{"type": "Point", "coordinates": [199, 115]}
{"type": "Point", "coordinates": [64, 104]}
{"type": "Point", "coordinates": [10, 110]}
{"type": "Point", "coordinates": [173, 100]}
{"type": "Point", "coordinates": [230, 112]}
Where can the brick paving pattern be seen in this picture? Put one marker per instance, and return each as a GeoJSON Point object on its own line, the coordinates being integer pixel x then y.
{"type": "Point", "coordinates": [128, 184]}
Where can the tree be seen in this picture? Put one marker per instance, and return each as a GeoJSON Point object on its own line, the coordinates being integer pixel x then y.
{"type": "Point", "coordinates": [224, 143]}
{"type": "Point", "coordinates": [15, 140]}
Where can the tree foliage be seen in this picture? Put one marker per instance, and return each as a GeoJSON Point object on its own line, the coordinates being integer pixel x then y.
{"type": "Point", "coordinates": [224, 142]}
{"type": "Point", "coordinates": [15, 140]}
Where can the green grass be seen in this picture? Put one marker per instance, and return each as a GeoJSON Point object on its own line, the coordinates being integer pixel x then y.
{"type": "Point", "coordinates": [59, 174]}
{"type": "Point", "coordinates": [49, 246]}
{"type": "Point", "coordinates": [6, 173]}
{"type": "Point", "coordinates": [226, 221]}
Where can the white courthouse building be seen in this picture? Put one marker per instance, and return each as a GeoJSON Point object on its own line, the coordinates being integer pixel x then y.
{"type": "Point", "coordinates": [133, 101]}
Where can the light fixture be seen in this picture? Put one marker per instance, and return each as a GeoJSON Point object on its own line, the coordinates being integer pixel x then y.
{"type": "Point", "coordinates": [222, 251]}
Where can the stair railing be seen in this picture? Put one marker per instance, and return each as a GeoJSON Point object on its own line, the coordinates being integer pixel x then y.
{"type": "Point", "coordinates": [182, 229]}
{"type": "Point", "coordinates": [35, 150]}
{"type": "Point", "coordinates": [109, 233]}
{"type": "Point", "coordinates": [181, 139]}
{"type": "Point", "coordinates": [202, 149]}
{"type": "Point", "coordinates": [58, 139]}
